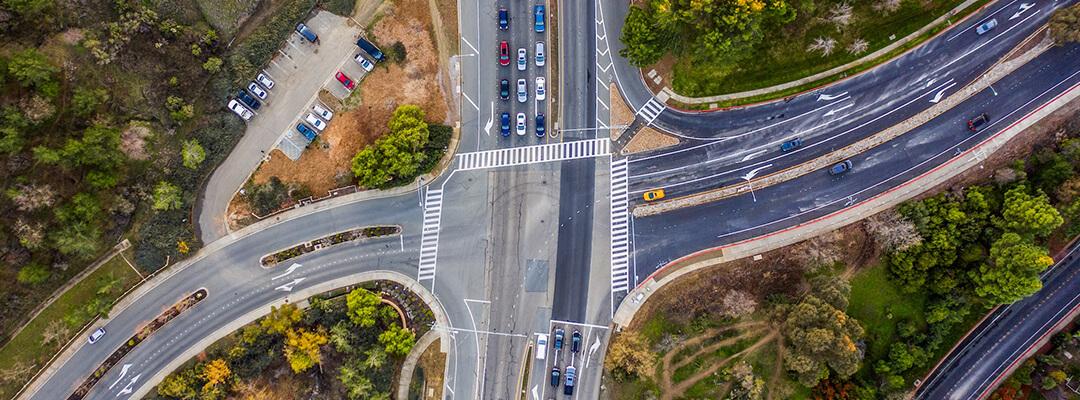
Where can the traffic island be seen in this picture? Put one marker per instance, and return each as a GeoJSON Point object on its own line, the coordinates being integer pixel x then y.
{"type": "Point", "coordinates": [369, 232]}
{"type": "Point", "coordinates": [183, 305]}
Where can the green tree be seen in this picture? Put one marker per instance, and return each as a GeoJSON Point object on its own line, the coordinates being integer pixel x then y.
{"type": "Point", "coordinates": [78, 231]}
{"type": "Point", "coordinates": [643, 39]}
{"type": "Point", "coordinates": [375, 358]}
{"type": "Point", "coordinates": [1065, 25]}
{"type": "Point", "coordinates": [357, 385]}
{"type": "Point", "coordinates": [167, 196]}
{"type": "Point", "coordinates": [1027, 215]}
{"type": "Point", "coordinates": [30, 67]}
{"type": "Point", "coordinates": [281, 319]}
{"type": "Point", "coordinates": [397, 340]}
{"type": "Point", "coordinates": [182, 384]}
{"type": "Point", "coordinates": [85, 100]}
{"type": "Point", "coordinates": [303, 348]}
{"type": "Point", "coordinates": [397, 156]}
{"type": "Point", "coordinates": [821, 335]}
{"type": "Point", "coordinates": [33, 274]}
{"type": "Point", "coordinates": [1013, 271]}
{"type": "Point", "coordinates": [212, 65]}
{"type": "Point", "coordinates": [362, 306]}
{"type": "Point", "coordinates": [193, 154]}
{"type": "Point", "coordinates": [341, 337]}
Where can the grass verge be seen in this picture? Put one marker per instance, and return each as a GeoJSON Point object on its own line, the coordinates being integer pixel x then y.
{"type": "Point", "coordinates": [54, 327]}
{"type": "Point", "coordinates": [880, 306]}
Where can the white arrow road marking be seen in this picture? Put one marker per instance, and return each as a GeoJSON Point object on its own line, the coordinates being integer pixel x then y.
{"type": "Point", "coordinates": [595, 346]}
{"type": "Point", "coordinates": [754, 154]}
{"type": "Point", "coordinates": [750, 175]}
{"type": "Point", "coordinates": [941, 93]}
{"type": "Point", "coordinates": [129, 388]}
{"type": "Point", "coordinates": [491, 119]}
{"type": "Point", "coordinates": [834, 111]}
{"type": "Point", "coordinates": [287, 272]}
{"type": "Point", "coordinates": [289, 286]}
{"type": "Point", "coordinates": [1023, 7]}
{"type": "Point", "coordinates": [535, 392]}
{"type": "Point", "coordinates": [825, 97]}
{"type": "Point", "coordinates": [123, 371]}
{"type": "Point", "coordinates": [930, 82]}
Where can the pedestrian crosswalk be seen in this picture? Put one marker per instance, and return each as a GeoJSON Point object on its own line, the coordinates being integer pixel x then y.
{"type": "Point", "coordinates": [620, 229]}
{"type": "Point", "coordinates": [533, 154]}
{"type": "Point", "coordinates": [651, 110]}
{"type": "Point", "coordinates": [429, 242]}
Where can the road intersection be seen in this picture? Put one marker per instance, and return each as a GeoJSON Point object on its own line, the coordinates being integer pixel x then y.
{"type": "Point", "coordinates": [523, 235]}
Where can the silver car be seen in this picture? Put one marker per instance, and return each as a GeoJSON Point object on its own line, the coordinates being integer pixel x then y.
{"type": "Point", "coordinates": [315, 122]}
{"type": "Point", "coordinates": [523, 91]}
{"type": "Point", "coordinates": [265, 81]}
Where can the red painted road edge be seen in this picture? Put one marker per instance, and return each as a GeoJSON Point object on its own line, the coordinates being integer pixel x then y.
{"type": "Point", "coordinates": [1027, 353]}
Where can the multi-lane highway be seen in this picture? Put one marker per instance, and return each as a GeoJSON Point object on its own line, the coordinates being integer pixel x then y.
{"type": "Point", "coordinates": [1006, 337]}
{"type": "Point", "coordinates": [524, 234]}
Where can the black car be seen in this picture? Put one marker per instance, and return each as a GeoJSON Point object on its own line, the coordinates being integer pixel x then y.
{"type": "Point", "coordinates": [575, 342]}
{"type": "Point", "coordinates": [504, 19]}
{"type": "Point", "coordinates": [976, 123]}
{"type": "Point", "coordinates": [248, 99]}
{"type": "Point", "coordinates": [555, 374]}
{"type": "Point", "coordinates": [504, 89]}
{"type": "Point", "coordinates": [540, 133]}
{"type": "Point", "coordinates": [371, 49]}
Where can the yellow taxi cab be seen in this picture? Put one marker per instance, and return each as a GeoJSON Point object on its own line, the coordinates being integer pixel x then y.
{"type": "Point", "coordinates": [655, 194]}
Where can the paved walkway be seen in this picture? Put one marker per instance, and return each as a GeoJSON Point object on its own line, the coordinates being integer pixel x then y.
{"type": "Point", "coordinates": [822, 75]}
{"type": "Point", "coordinates": [405, 378]}
{"type": "Point", "coordinates": [969, 159]}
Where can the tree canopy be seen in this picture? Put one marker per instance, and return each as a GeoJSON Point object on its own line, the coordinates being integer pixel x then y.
{"type": "Point", "coordinates": [821, 335]}
{"type": "Point", "coordinates": [396, 155]}
{"type": "Point", "coordinates": [1013, 270]}
{"type": "Point", "coordinates": [362, 305]}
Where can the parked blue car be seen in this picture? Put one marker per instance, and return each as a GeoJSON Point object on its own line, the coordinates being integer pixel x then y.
{"type": "Point", "coordinates": [791, 145]}
{"type": "Point", "coordinates": [539, 11]}
{"type": "Point", "coordinates": [304, 130]}
{"type": "Point", "coordinates": [307, 33]}
{"type": "Point", "coordinates": [841, 168]}
{"type": "Point", "coordinates": [248, 99]}
{"type": "Point", "coordinates": [505, 119]}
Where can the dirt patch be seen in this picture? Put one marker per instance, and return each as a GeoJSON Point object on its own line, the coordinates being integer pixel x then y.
{"type": "Point", "coordinates": [133, 140]}
{"type": "Point", "coordinates": [416, 80]}
{"type": "Point", "coordinates": [620, 113]}
{"type": "Point", "coordinates": [433, 365]}
{"type": "Point", "coordinates": [649, 139]}
{"type": "Point", "coordinates": [662, 69]}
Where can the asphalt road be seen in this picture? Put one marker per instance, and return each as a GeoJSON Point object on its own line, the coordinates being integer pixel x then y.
{"type": "Point", "coordinates": [978, 364]}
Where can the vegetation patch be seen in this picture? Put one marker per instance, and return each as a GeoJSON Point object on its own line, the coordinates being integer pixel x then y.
{"type": "Point", "coordinates": [248, 56]}
{"type": "Point", "coordinates": [1046, 375]}
{"type": "Point", "coordinates": [346, 344]}
{"type": "Point", "coordinates": [711, 47]}
{"type": "Point", "coordinates": [328, 241]}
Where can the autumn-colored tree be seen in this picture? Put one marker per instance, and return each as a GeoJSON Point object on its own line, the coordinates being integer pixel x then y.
{"type": "Point", "coordinates": [629, 356]}
{"type": "Point", "coordinates": [1065, 25]}
{"type": "Point", "coordinates": [180, 385]}
{"type": "Point", "coordinates": [303, 348]}
{"type": "Point", "coordinates": [215, 373]}
{"type": "Point", "coordinates": [281, 319]}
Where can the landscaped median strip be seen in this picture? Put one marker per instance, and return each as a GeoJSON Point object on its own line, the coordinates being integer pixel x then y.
{"type": "Point", "coordinates": [993, 75]}
{"type": "Point", "coordinates": [355, 234]}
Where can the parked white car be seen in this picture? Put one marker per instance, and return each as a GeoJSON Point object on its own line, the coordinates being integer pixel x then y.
{"type": "Point", "coordinates": [521, 124]}
{"type": "Point", "coordinates": [522, 60]}
{"type": "Point", "coordinates": [315, 122]}
{"type": "Point", "coordinates": [240, 110]}
{"type": "Point", "coordinates": [265, 81]}
{"type": "Point", "coordinates": [541, 89]}
{"type": "Point", "coordinates": [523, 91]}
{"type": "Point", "coordinates": [540, 54]}
{"type": "Point", "coordinates": [257, 91]}
{"type": "Point", "coordinates": [322, 112]}
{"type": "Point", "coordinates": [368, 66]}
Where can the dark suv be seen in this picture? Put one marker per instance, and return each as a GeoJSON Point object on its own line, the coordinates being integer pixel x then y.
{"type": "Point", "coordinates": [504, 89]}
{"type": "Point", "coordinates": [977, 123]}
{"type": "Point", "coordinates": [504, 19]}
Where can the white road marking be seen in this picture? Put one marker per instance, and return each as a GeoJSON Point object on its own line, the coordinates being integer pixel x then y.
{"type": "Point", "coordinates": [470, 100]}
{"type": "Point", "coordinates": [619, 228]}
{"type": "Point", "coordinates": [123, 372]}
{"type": "Point", "coordinates": [987, 18]}
{"type": "Point", "coordinates": [839, 109]}
{"type": "Point", "coordinates": [533, 154]}
{"type": "Point", "coordinates": [288, 287]}
{"type": "Point", "coordinates": [287, 272]}
{"type": "Point", "coordinates": [491, 119]}
{"type": "Point", "coordinates": [130, 386]}
{"type": "Point", "coordinates": [830, 97]}
{"type": "Point", "coordinates": [429, 239]}
{"type": "Point", "coordinates": [941, 93]}
{"type": "Point", "coordinates": [651, 110]}
{"type": "Point", "coordinates": [463, 39]}
{"type": "Point", "coordinates": [1023, 7]}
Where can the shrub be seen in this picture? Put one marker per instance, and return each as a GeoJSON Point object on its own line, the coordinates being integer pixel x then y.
{"type": "Point", "coordinates": [260, 46]}
{"type": "Point", "coordinates": [33, 274]}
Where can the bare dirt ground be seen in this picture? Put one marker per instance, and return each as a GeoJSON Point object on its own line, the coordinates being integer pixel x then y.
{"type": "Point", "coordinates": [621, 114]}
{"type": "Point", "coordinates": [433, 362]}
{"type": "Point", "coordinates": [420, 80]}
{"type": "Point", "coordinates": [649, 139]}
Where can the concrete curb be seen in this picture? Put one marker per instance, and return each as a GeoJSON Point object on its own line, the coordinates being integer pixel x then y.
{"type": "Point", "coordinates": [831, 72]}
{"type": "Point", "coordinates": [968, 159]}
{"type": "Point", "coordinates": [405, 377]}
{"type": "Point", "coordinates": [429, 299]}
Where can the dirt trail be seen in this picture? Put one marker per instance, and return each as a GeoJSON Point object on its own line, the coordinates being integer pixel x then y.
{"type": "Point", "coordinates": [678, 390]}
{"type": "Point", "coordinates": [778, 368]}
{"type": "Point", "coordinates": [668, 367]}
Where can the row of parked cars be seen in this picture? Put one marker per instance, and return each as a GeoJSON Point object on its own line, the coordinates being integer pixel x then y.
{"type": "Point", "coordinates": [247, 101]}
{"type": "Point", "coordinates": [568, 379]}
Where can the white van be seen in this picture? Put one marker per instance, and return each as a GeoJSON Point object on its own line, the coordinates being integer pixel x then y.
{"type": "Point", "coordinates": [541, 345]}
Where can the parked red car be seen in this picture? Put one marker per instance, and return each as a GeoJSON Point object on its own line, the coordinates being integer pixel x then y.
{"type": "Point", "coordinates": [349, 84]}
{"type": "Point", "coordinates": [504, 53]}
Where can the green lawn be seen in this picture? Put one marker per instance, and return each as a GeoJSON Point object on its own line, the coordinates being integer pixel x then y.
{"type": "Point", "coordinates": [879, 305]}
{"type": "Point", "coordinates": [783, 56]}
{"type": "Point", "coordinates": [27, 349]}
